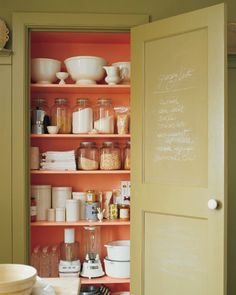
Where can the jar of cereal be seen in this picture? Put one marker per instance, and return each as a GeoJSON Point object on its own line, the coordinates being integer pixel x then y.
{"type": "Point", "coordinates": [61, 115]}
{"type": "Point", "coordinates": [88, 156]}
{"type": "Point", "coordinates": [110, 156]}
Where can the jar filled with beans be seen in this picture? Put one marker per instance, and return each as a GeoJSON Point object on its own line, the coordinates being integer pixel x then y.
{"type": "Point", "coordinates": [110, 158]}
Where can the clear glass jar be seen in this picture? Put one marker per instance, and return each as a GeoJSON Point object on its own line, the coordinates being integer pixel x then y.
{"type": "Point", "coordinates": [110, 156]}
{"type": "Point", "coordinates": [88, 156]}
{"type": "Point", "coordinates": [104, 116]}
{"type": "Point", "coordinates": [61, 115]}
{"type": "Point", "coordinates": [82, 117]}
{"type": "Point", "coordinates": [39, 116]}
{"type": "Point", "coordinates": [127, 156]}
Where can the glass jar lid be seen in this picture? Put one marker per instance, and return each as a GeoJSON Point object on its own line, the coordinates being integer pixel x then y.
{"type": "Point", "coordinates": [39, 101]}
{"type": "Point", "coordinates": [104, 101]}
{"type": "Point", "coordinates": [87, 144]}
{"type": "Point", "coordinates": [82, 101]}
{"type": "Point", "coordinates": [111, 144]}
{"type": "Point", "coordinates": [60, 100]}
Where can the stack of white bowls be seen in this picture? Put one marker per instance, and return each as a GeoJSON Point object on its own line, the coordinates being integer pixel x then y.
{"type": "Point", "coordinates": [117, 262]}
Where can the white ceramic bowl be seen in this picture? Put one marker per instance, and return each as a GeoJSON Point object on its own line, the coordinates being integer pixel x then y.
{"type": "Point", "coordinates": [17, 279]}
{"type": "Point", "coordinates": [86, 69]}
{"type": "Point", "coordinates": [43, 70]}
{"type": "Point", "coordinates": [124, 67]}
{"type": "Point", "coordinates": [53, 129]}
{"type": "Point", "coordinates": [118, 250]}
{"type": "Point", "coordinates": [121, 293]}
{"type": "Point", "coordinates": [117, 269]}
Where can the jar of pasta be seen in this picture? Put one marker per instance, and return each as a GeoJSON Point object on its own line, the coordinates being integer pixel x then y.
{"type": "Point", "coordinates": [127, 156]}
{"type": "Point", "coordinates": [88, 156]}
{"type": "Point", "coordinates": [61, 115]}
{"type": "Point", "coordinates": [110, 156]}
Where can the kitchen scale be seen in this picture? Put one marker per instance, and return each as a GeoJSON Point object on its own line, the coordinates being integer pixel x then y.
{"type": "Point", "coordinates": [92, 267]}
{"type": "Point", "coordinates": [69, 265]}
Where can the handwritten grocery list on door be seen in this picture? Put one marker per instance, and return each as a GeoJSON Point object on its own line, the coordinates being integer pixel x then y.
{"type": "Point", "coordinates": [176, 110]}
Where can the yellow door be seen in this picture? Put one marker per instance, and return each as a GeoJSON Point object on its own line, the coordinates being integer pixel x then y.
{"type": "Point", "coordinates": [178, 155]}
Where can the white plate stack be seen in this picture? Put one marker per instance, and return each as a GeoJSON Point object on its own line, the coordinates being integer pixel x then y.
{"type": "Point", "coordinates": [117, 262]}
{"type": "Point", "coordinates": [58, 160]}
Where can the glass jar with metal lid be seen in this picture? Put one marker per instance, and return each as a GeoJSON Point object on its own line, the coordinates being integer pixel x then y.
{"type": "Point", "coordinates": [88, 156]}
{"type": "Point", "coordinates": [110, 156]}
{"type": "Point", "coordinates": [127, 156]}
{"type": "Point", "coordinates": [61, 115]}
{"type": "Point", "coordinates": [104, 116]}
{"type": "Point", "coordinates": [39, 116]}
{"type": "Point", "coordinates": [82, 117]}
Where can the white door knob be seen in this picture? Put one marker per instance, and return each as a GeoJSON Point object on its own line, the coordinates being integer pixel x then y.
{"type": "Point", "coordinates": [212, 204]}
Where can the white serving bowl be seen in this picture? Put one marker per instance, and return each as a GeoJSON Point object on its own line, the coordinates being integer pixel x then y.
{"type": "Point", "coordinates": [117, 269]}
{"type": "Point", "coordinates": [124, 67]}
{"type": "Point", "coordinates": [17, 279]}
{"type": "Point", "coordinates": [86, 69]}
{"type": "Point", "coordinates": [118, 250]}
{"type": "Point", "coordinates": [43, 70]}
{"type": "Point", "coordinates": [53, 129]}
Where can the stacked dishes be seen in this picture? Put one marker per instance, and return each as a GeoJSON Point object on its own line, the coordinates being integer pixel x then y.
{"type": "Point", "coordinates": [117, 262]}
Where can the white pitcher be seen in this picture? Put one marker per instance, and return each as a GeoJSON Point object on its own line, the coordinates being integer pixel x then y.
{"type": "Point", "coordinates": [113, 75]}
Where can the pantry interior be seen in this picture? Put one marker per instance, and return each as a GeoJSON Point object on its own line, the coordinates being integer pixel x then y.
{"type": "Point", "coordinates": [113, 47]}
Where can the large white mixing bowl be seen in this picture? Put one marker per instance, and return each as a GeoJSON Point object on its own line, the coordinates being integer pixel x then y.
{"type": "Point", "coordinates": [17, 279]}
{"type": "Point", "coordinates": [86, 69]}
{"type": "Point", "coordinates": [43, 70]}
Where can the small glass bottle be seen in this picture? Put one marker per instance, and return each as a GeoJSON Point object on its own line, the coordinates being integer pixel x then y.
{"type": "Point", "coordinates": [104, 116]}
{"type": "Point", "coordinates": [110, 156]}
{"type": "Point", "coordinates": [45, 263]}
{"type": "Point", "coordinates": [61, 115]}
{"type": "Point", "coordinates": [54, 261]}
{"type": "Point", "coordinates": [33, 209]}
{"type": "Point", "coordinates": [35, 258]}
{"type": "Point", "coordinates": [82, 117]}
{"type": "Point", "coordinates": [88, 156]}
{"type": "Point", "coordinates": [127, 156]}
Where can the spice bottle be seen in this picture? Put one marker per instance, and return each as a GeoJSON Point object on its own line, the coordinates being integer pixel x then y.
{"type": "Point", "coordinates": [127, 156]}
{"type": "Point", "coordinates": [110, 157]}
{"type": "Point", "coordinates": [104, 116]}
{"type": "Point", "coordinates": [61, 115]}
{"type": "Point", "coordinates": [88, 157]}
{"type": "Point", "coordinates": [124, 212]}
{"type": "Point", "coordinates": [82, 117]}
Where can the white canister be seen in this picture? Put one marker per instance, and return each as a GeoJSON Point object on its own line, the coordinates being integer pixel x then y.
{"type": "Point", "coordinates": [51, 214]}
{"type": "Point", "coordinates": [72, 210]}
{"type": "Point", "coordinates": [81, 196]}
{"type": "Point", "coordinates": [42, 193]}
{"type": "Point", "coordinates": [34, 158]}
{"type": "Point", "coordinates": [59, 196]}
{"type": "Point", "coordinates": [60, 214]}
{"type": "Point", "coordinates": [117, 269]}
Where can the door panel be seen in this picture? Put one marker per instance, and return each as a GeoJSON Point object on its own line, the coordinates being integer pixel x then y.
{"type": "Point", "coordinates": [178, 155]}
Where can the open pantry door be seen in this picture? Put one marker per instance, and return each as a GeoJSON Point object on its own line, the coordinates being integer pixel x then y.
{"type": "Point", "coordinates": [178, 227]}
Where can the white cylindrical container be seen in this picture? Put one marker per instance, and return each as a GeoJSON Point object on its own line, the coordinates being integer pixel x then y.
{"type": "Point", "coordinates": [42, 193]}
{"type": "Point", "coordinates": [72, 210]}
{"type": "Point", "coordinates": [60, 195]}
{"type": "Point", "coordinates": [60, 214]}
{"type": "Point", "coordinates": [51, 214]}
{"type": "Point", "coordinates": [81, 196]}
{"type": "Point", "coordinates": [34, 158]}
{"type": "Point", "coordinates": [117, 269]}
{"type": "Point", "coordinates": [118, 250]}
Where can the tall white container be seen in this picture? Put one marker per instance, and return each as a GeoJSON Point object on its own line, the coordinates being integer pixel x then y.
{"type": "Point", "coordinates": [42, 193]}
{"type": "Point", "coordinates": [81, 197]}
{"type": "Point", "coordinates": [59, 196]}
{"type": "Point", "coordinates": [72, 210]}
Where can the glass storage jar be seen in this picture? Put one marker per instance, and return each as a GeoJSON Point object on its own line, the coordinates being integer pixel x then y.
{"type": "Point", "coordinates": [88, 156]}
{"type": "Point", "coordinates": [61, 115]}
{"type": "Point", "coordinates": [110, 156]}
{"type": "Point", "coordinates": [39, 116]}
{"type": "Point", "coordinates": [127, 156]}
{"type": "Point", "coordinates": [104, 116]}
{"type": "Point", "coordinates": [82, 117]}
